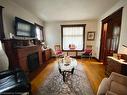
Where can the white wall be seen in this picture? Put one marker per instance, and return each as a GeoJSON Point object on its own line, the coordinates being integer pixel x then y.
{"type": "Point", "coordinates": [123, 36]}
{"type": "Point", "coordinates": [11, 10]}
{"type": "Point", "coordinates": [53, 31]}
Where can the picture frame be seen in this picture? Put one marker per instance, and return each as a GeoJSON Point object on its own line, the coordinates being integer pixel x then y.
{"type": "Point", "coordinates": [91, 36]}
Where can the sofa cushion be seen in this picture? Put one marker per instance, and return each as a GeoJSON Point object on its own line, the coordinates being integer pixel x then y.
{"type": "Point", "coordinates": [58, 52]}
{"type": "Point", "coordinates": [118, 88]}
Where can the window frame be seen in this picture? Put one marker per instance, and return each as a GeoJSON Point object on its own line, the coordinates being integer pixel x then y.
{"type": "Point", "coordinates": [73, 25]}
{"type": "Point", "coordinates": [41, 27]}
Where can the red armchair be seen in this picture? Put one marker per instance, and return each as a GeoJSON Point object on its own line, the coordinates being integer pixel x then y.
{"type": "Point", "coordinates": [58, 51]}
{"type": "Point", "coordinates": [87, 53]}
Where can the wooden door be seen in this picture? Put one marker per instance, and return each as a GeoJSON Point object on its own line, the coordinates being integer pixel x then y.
{"type": "Point", "coordinates": [110, 35]}
{"type": "Point", "coordinates": [103, 41]}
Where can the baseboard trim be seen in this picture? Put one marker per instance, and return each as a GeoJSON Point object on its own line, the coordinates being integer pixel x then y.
{"type": "Point", "coordinates": [96, 59]}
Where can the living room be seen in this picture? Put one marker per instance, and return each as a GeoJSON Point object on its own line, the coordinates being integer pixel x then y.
{"type": "Point", "coordinates": [89, 45]}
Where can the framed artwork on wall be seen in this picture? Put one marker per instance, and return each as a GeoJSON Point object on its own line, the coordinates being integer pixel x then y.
{"type": "Point", "coordinates": [91, 35]}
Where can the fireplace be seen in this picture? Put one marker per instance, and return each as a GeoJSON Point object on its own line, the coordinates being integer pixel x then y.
{"type": "Point", "coordinates": [33, 61]}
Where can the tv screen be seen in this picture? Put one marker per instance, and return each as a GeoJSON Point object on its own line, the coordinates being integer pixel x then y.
{"type": "Point", "coordinates": [24, 28]}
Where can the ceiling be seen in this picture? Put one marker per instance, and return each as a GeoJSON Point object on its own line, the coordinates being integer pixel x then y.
{"type": "Point", "coordinates": [66, 10]}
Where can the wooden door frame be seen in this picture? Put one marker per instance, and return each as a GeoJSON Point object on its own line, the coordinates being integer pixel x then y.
{"type": "Point", "coordinates": [107, 19]}
{"type": "Point", "coordinates": [103, 39]}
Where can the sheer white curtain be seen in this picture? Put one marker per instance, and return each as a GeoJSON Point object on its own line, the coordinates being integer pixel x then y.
{"type": "Point", "coordinates": [73, 35]}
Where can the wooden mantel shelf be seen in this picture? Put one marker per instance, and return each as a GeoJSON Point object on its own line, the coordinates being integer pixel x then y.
{"type": "Point", "coordinates": [26, 46]}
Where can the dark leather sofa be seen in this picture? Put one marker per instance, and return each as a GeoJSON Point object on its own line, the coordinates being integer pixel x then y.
{"type": "Point", "coordinates": [14, 82]}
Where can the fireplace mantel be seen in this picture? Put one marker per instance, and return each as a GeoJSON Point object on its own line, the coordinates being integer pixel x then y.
{"type": "Point", "coordinates": [22, 54]}
{"type": "Point", "coordinates": [18, 55]}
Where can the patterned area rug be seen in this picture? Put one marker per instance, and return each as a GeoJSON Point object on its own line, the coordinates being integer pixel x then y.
{"type": "Point", "coordinates": [76, 84]}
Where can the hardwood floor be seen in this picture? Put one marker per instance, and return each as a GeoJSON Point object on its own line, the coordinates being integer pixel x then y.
{"type": "Point", "coordinates": [93, 69]}
{"type": "Point", "coordinates": [95, 72]}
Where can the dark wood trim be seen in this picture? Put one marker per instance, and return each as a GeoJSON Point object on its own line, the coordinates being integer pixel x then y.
{"type": "Point", "coordinates": [73, 25]}
{"type": "Point", "coordinates": [2, 35]}
{"type": "Point", "coordinates": [112, 20]}
{"type": "Point", "coordinates": [72, 50]}
{"type": "Point", "coordinates": [114, 14]}
{"type": "Point", "coordinates": [1, 7]}
{"type": "Point", "coordinates": [41, 27]}
{"type": "Point", "coordinates": [100, 53]}
{"type": "Point", "coordinates": [96, 59]}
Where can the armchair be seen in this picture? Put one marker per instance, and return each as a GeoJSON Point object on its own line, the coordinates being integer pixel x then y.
{"type": "Point", "coordinates": [58, 51]}
{"type": "Point", "coordinates": [87, 52]}
{"type": "Point", "coordinates": [116, 84]}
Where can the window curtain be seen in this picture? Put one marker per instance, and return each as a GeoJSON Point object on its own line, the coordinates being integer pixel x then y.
{"type": "Point", "coordinates": [73, 36]}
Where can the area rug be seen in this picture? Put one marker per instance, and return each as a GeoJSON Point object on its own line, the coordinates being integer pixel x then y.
{"type": "Point", "coordinates": [76, 84]}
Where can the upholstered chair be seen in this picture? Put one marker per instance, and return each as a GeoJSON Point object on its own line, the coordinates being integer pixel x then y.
{"type": "Point", "coordinates": [87, 52]}
{"type": "Point", "coordinates": [4, 63]}
{"type": "Point", "coordinates": [116, 84]}
{"type": "Point", "coordinates": [58, 51]}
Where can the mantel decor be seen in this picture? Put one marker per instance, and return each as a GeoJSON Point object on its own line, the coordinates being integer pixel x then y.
{"type": "Point", "coordinates": [91, 35]}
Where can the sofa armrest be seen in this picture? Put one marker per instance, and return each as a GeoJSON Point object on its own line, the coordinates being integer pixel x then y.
{"type": "Point", "coordinates": [103, 87]}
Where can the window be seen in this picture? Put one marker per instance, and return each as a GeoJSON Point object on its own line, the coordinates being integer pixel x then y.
{"type": "Point", "coordinates": [39, 32]}
{"type": "Point", "coordinates": [72, 37]}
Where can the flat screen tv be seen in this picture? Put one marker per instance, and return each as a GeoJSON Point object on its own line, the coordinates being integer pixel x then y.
{"type": "Point", "coordinates": [24, 28]}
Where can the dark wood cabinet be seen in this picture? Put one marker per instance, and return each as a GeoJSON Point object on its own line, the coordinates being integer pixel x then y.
{"type": "Point", "coordinates": [47, 54]}
{"type": "Point", "coordinates": [115, 65]}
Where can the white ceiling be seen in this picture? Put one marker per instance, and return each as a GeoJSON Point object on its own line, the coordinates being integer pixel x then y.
{"type": "Point", "coordinates": [61, 10]}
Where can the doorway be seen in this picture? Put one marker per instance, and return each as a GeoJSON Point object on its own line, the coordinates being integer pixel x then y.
{"type": "Point", "coordinates": [110, 35]}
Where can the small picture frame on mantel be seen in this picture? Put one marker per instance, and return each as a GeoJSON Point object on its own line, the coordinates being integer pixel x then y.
{"type": "Point", "coordinates": [91, 35]}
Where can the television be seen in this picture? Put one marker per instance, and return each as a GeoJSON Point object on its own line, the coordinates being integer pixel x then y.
{"type": "Point", "coordinates": [24, 28]}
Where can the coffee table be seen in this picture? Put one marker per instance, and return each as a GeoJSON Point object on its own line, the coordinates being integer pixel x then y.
{"type": "Point", "coordinates": [67, 68]}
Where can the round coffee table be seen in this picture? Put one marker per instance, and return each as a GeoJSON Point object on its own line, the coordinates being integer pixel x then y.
{"type": "Point", "coordinates": [67, 68]}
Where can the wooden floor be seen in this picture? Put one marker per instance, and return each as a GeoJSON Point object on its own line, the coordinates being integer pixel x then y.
{"type": "Point", "coordinates": [93, 69]}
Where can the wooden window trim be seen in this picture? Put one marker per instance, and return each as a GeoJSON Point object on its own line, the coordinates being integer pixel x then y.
{"type": "Point", "coordinates": [73, 25]}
